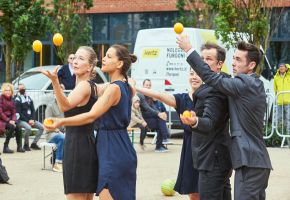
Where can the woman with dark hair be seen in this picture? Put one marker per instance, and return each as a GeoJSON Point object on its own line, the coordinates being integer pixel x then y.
{"type": "Point", "coordinates": [116, 155]}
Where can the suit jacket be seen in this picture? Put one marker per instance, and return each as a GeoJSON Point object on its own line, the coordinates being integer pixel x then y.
{"type": "Point", "coordinates": [247, 105]}
{"type": "Point", "coordinates": [65, 77]}
{"type": "Point", "coordinates": [210, 139]}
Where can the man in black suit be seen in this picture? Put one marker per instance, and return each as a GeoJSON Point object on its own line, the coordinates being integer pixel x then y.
{"type": "Point", "coordinates": [247, 105]}
{"type": "Point", "coordinates": [210, 139]}
{"type": "Point", "coordinates": [66, 75]}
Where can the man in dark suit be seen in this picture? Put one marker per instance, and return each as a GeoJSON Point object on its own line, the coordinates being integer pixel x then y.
{"type": "Point", "coordinates": [210, 139]}
{"type": "Point", "coordinates": [66, 75]}
{"type": "Point", "coordinates": [247, 105]}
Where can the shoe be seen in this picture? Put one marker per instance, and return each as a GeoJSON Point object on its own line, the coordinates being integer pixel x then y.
{"type": "Point", "coordinates": [35, 146]}
{"type": "Point", "coordinates": [161, 150]}
{"type": "Point", "coordinates": [26, 147]}
{"type": "Point", "coordinates": [165, 147]}
{"type": "Point", "coordinates": [57, 167]}
{"type": "Point", "coordinates": [20, 149]}
{"type": "Point", "coordinates": [7, 150]}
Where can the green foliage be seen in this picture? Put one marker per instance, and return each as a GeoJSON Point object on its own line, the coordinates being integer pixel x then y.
{"type": "Point", "coordinates": [76, 29]}
{"type": "Point", "coordinates": [190, 16]}
{"type": "Point", "coordinates": [236, 17]}
{"type": "Point", "coordinates": [22, 22]}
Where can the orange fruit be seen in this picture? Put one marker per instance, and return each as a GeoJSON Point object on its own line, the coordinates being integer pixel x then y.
{"type": "Point", "coordinates": [48, 122]}
{"type": "Point", "coordinates": [186, 113]}
{"type": "Point", "coordinates": [178, 28]}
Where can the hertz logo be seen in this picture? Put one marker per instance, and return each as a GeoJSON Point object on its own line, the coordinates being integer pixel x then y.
{"type": "Point", "coordinates": [150, 53]}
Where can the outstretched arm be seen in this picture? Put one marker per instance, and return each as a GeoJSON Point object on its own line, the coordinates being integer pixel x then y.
{"type": "Point", "coordinates": [110, 98]}
{"type": "Point", "coordinates": [228, 86]}
{"type": "Point", "coordinates": [78, 96]}
{"type": "Point", "coordinates": [165, 98]}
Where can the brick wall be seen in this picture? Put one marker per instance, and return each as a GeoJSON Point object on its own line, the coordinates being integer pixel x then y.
{"type": "Point", "coordinates": [119, 6]}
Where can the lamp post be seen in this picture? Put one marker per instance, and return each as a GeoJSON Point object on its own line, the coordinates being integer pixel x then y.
{"type": "Point", "coordinates": [37, 47]}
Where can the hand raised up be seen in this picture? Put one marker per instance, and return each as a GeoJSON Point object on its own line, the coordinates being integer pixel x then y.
{"type": "Point", "coordinates": [51, 75]}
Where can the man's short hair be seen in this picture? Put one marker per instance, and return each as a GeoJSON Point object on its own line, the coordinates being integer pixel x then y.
{"type": "Point", "coordinates": [147, 79]}
{"type": "Point", "coordinates": [221, 52]}
{"type": "Point", "coordinates": [253, 55]}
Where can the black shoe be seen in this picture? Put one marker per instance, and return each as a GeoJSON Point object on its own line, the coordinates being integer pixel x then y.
{"type": "Point", "coordinates": [7, 150]}
{"type": "Point", "coordinates": [26, 147]}
{"type": "Point", "coordinates": [20, 149]}
{"type": "Point", "coordinates": [35, 146]}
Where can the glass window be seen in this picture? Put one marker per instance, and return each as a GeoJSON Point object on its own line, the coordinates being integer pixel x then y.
{"type": "Point", "coordinates": [121, 27]}
{"type": "Point", "coordinates": [100, 27]}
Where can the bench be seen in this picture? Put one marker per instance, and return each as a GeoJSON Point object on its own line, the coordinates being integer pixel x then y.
{"type": "Point", "coordinates": [52, 147]}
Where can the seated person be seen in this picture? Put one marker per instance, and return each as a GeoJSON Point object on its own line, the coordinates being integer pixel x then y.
{"type": "Point", "coordinates": [25, 111]}
{"type": "Point", "coordinates": [57, 136]}
{"type": "Point", "coordinates": [155, 119]}
{"type": "Point", "coordinates": [8, 118]}
{"type": "Point", "coordinates": [137, 120]}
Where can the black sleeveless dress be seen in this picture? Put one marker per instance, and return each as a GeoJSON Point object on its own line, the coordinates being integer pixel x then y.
{"type": "Point", "coordinates": [80, 166]}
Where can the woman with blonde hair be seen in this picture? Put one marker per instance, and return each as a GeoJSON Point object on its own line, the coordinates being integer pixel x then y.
{"type": "Point", "coordinates": [80, 171]}
{"type": "Point", "coordinates": [8, 118]}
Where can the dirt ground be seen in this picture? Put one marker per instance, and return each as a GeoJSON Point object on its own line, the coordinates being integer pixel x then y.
{"type": "Point", "coordinates": [30, 182]}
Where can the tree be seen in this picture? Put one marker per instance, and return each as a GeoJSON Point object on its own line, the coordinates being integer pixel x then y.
{"type": "Point", "coordinates": [195, 13]}
{"type": "Point", "coordinates": [241, 20]}
{"type": "Point", "coordinates": [22, 21]}
{"type": "Point", "coordinates": [75, 28]}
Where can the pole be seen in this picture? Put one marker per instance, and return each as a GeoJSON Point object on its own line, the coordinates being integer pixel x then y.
{"type": "Point", "coordinates": [40, 53]}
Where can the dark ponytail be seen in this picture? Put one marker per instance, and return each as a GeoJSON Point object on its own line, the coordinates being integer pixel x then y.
{"type": "Point", "coordinates": [123, 55]}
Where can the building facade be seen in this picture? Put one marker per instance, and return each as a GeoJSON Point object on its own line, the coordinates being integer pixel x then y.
{"type": "Point", "coordinates": [118, 21]}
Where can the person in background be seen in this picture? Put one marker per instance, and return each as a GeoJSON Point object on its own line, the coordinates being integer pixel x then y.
{"type": "Point", "coordinates": [66, 74]}
{"type": "Point", "coordinates": [155, 119]}
{"type": "Point", "coordinates": [8, 121]}
{"type": "Point", "coordinates": [57, 136]}
{"type": "Point", "coordinates": [281, 84]}
{"type": "Point", "coordinates": [137, 120]}
{"type": "Point", "coordinates": [25, 111]}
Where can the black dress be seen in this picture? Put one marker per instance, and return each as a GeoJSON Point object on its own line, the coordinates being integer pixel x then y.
{"type": "Point", "coordinates": [80, 166]}
{"type": "Point", "coordinates": [187, 179]}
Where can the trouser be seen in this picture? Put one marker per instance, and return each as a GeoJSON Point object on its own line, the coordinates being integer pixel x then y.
{"type": "Point", "coordinates": [160, 126]}
{"type": "Point", "coordinates": [143, 132]}
{"type": "Point", "coordinates": [27, 131]}
{"type": "Point", "coordinates": [215, 184]}
{"type": "Point", "coordinates": [58, 139]}
{"type": "Point", "coordinates": [251, 183]}
{"type": "Point", "coordinates": [11, 129]}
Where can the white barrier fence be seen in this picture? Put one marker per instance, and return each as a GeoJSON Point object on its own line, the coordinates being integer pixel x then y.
{"type": "Point", "coordinates": [277, 117]}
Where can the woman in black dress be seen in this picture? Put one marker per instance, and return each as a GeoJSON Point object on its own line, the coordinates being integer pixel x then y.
{"type": "Point", "coordinates": [80, 160]}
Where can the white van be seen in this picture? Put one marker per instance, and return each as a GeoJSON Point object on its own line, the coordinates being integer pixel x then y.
{"type": "Point", "coordinates": [164, 63]}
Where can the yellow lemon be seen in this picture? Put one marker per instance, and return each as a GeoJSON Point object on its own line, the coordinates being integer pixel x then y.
{"type": "Point", "coordinates": [186, 113]}
{"type": "Point", "coordinates": [48, 122]}
{"type": "Point", "coordinates": [178, 28]}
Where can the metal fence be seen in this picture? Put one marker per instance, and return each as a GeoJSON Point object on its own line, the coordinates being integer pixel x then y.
{"type": "Point", "coordinates": [277, 117]}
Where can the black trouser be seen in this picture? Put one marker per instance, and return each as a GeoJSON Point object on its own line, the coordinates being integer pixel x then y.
{"type": "Point", "coordinates": [143, 132]}
{"type": "Point", "coordinates": [251, 183]}
{"type": "Point", "coordinates": [215, 184]}
{"type": "Point", "coordinates": [11, 129]}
